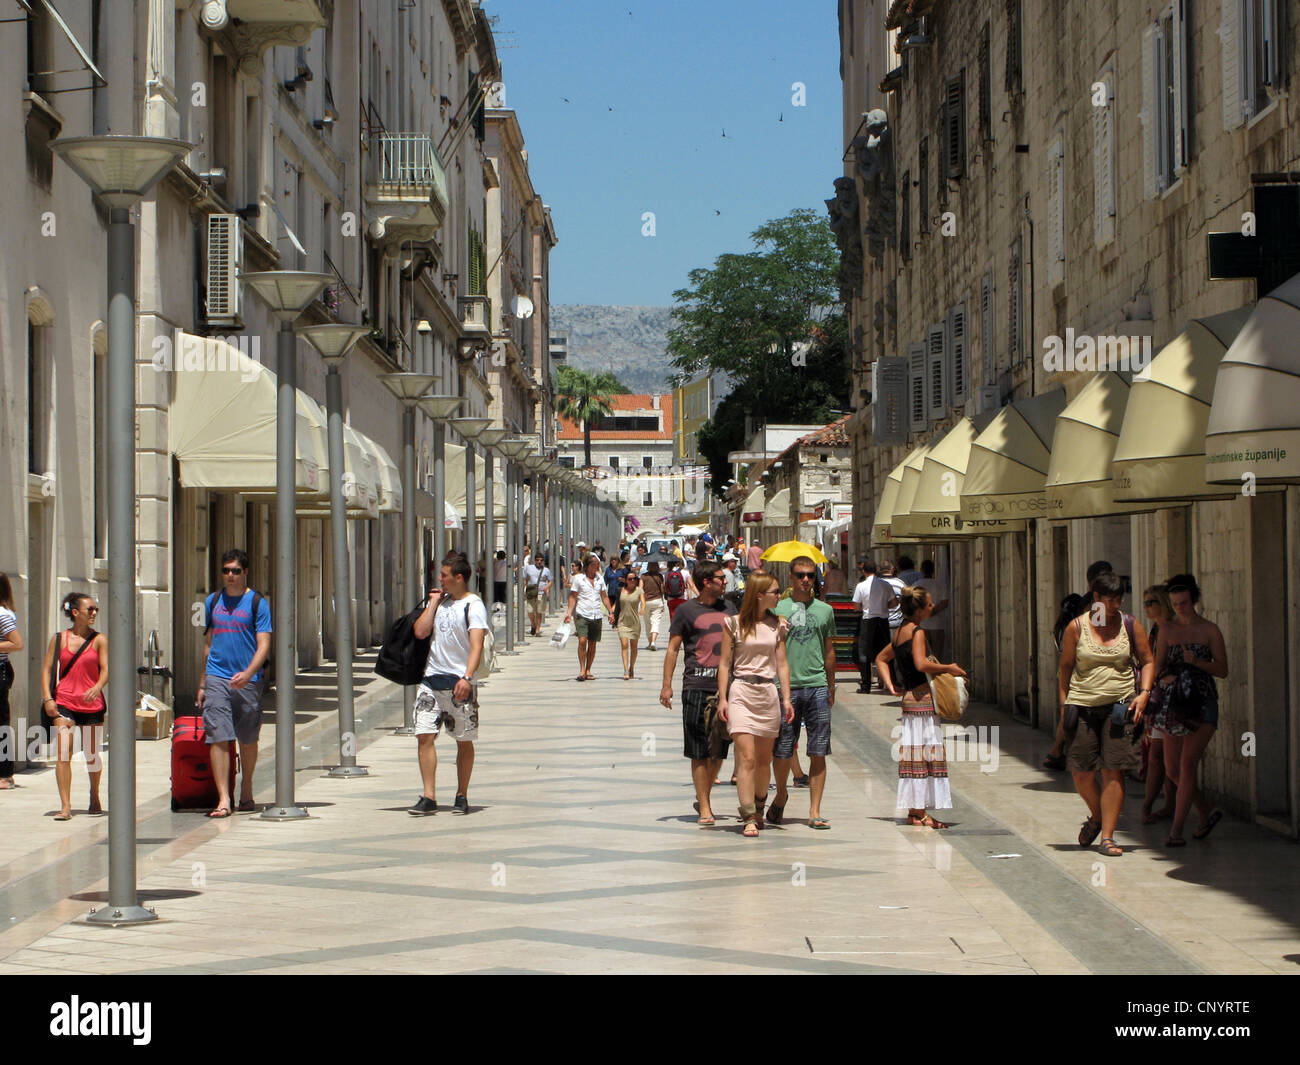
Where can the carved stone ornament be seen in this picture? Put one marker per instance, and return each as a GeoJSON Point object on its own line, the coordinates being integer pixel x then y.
{"type": "Point", "coordinates": [843, 210]}
{"type": "Point", "coordinates": [874, 151]}
{"type": "Point", "coordinates": [248, 42]}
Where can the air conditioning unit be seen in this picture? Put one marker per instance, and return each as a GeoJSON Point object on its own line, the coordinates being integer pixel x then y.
{"type": "Point", "coordinates": [225, 259]}
{"type": "Point", "coordinates": [990, 398]}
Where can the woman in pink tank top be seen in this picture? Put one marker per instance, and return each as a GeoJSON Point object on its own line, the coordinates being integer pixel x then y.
{"type": "Point", "coordinates": [77, 702]}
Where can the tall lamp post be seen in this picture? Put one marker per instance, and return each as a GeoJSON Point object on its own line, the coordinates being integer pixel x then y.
{"type": "Point", "coordinates": [489, 438]}
{"type": "Point", "coordinates": [468, 429]}
{"type": "Point", "coordinates": [511, 449]}
{"type": "Point", "coordinates": [409, 388]}
{"type": "Point", "coordinates": [120, 170]}
{"type": "Point", "coordinates": [439, 409]}
{"type": "Point", "coordinates": [334, 342]}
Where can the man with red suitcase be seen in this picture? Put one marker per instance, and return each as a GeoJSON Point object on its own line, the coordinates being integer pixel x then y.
{"type": "Point", "coordinates": [236, 646]}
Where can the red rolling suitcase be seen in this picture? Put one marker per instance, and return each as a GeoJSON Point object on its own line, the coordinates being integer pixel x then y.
{"type": "Point", "coordinates": [192, 783]}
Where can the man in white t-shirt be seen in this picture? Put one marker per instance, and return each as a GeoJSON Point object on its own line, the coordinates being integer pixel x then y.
{"type": "Point", "coordinates": [883, 606]}
{"type": "Point", "coordinates": [867, 567]}
{"type": "Point", "coordinates": [537, 580]}
{"type": "Point", "coordinates": [586, 594]}
{"type": "Point", "coordinates": [459, 624]}
{"type": "Point", "coordinates": [936, 624]}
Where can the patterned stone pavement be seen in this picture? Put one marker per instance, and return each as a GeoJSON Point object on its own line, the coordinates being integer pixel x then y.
{"type": "Point", "coordinates": [581, 854]}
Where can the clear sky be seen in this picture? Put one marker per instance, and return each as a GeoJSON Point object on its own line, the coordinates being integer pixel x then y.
{"type": "Point", "coordinates": [650, 88]}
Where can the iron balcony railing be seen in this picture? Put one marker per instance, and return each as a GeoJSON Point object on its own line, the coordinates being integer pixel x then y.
{"type": "Point", "coordinates": [408, 162]}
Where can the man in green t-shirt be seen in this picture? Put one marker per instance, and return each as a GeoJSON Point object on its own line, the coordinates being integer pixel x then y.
{"type": "Point", "coordinates": [811, 653]}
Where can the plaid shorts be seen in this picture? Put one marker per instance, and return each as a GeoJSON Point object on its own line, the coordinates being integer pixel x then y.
{"type": "Point", "coordinates": [696, 722]}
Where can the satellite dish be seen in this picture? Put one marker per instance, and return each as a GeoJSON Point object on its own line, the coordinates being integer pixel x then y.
{"type": "Point", "coordinates": [522, 306]}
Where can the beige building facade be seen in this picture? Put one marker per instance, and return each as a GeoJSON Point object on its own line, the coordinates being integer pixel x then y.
{"type": "Point", "coordinates": [1022, 174]}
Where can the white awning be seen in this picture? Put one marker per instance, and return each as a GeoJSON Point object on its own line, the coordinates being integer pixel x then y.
{"type": "Point", "coordinates": [753, 506]}
{"type": "Point", "coordinates": [389, 480]}
{"type": "Point", "coordinates": [776, 513]}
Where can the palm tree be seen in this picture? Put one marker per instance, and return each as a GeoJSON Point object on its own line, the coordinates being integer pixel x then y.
{"type": "Point", "coordinates": [584, 397]}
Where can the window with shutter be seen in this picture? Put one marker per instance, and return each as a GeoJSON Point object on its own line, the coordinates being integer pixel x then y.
{"type": "Point", "coordinates": [1013, 80]}
{"type": "Point", "coordinates": [1056, 213]}
{"type": "Point", "coordinates": [936, 390]}
{"type": "Point", "coordinates": [1103, 166]}
{"type": "Point", "coordinates": [890, 396]}
{"type": "Point", "coordinates": [905, 217]}
{"type": "Point", "coordinates": [985, 88]}
{"type": "Point", "coordinates": [956, 372]}
{"type": "Point", "coordinates": [916, 387]}
{"type": "Point", "coordinates": [954, 122]}
{"type": "Point", "coordinates": [1178, 89]}
{"type": "Point", "coordinates": [1015, 336]}
{"type": "Point", "coordinates": [1230, 37]}
{"type": "Point", "coordinates": [923, 193]}
{"type": "Point", "coordinates": [1149, 115]}
{"type": "Point", "coordinates": [988, 327]}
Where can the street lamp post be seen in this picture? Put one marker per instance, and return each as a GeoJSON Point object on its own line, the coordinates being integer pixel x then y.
{"type": "Point", "coordinates": [287, 293]}
{"type": "Point", "coordinates": [469, 429]}
{"type": "Point", "coordinates": [121, 170]}
{"type": "Point", "coordinates": [489, 438]}
{"type": "Point", "coordinates": [409, 388]}
{"type": "Point", "coordinates": [334, 342]}
{"type": "Point", "coordinates": [439, 409]}
{"type": "Point", "coordinates": [511, 448]}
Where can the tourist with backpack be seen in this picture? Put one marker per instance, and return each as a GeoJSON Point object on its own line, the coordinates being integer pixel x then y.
{"type": "Point", "coordinates": [237, 643]}
{"type": "Point", "coordinates": [459, 655]}
{"type": "Point", "coordinates": [674, 587]}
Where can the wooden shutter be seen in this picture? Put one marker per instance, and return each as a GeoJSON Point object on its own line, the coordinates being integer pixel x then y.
{"type": "Point", "coordinates": [1230, 36]}
{"type": "Point", "coordinates": [985, 88]}
{"type": "Point", "coordinates": [905, 217]}
{"type": "Point", "coordinates": [890, 389]}
{"type": "Point", "coordinates": [1181, 101]}
{"type": "Point", "coordinates": [1148, 117]}
{"type": "Point", "coordinates": [1015, 343]}
{"type": "Point", "coordinates": [923, 193]}
{"type": "Point", "coordinates": [1103, 169]}
{"type": "Point", "coordinates": [936, 388]}
{"type": "Point", "coordinates": [1056, 212]}
{"type": "Point", "coordinates": [916, 387]}
{"type": "Point", "coordinates": [954, 123]}
{"type": "Point", "coordinates": [988, 327]}
{"type": "Point", "coordinates": [956, 372]}
{"type": "Point", "coordinates": [1013, 46]}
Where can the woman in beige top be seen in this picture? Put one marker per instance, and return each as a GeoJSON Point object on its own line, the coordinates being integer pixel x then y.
{"type": "Point", "coordinates": [1103, 705]}
{"type": "Point", "coordinates": [631, 605]}
{"type": "Point", "coordinates": [652, 584]}
{"type": "Point", "coordinates": [753, 656]}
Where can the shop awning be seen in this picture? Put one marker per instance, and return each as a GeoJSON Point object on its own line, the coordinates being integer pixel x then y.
{"type": "Point", "coordinates": [776, 512]}
{"type": "Point", "coordinates": [935, 509]}
{"type": "Point", "coordinates": [1006, 477]}
{"type": "Point", "coordinates": [426, 507]}
{"type": "Point", "coordinates": [1079, 481]}
{"type": "Point", "coordinates": [454, 488]}
{"type": "Point", "coordinates": [388, 479]}
{"type": "Point", "coordinates": [881, 533]}
{"type": "Point", "coordinates": [752, 512]}
{"type": "Point", "coordinates": [222, 423]}
{"type": "Point", "coordinates": [900, 525]}
{"type": "Point", "coordinates": [1254, 425]}
{"type": "Point", "coordinates": [360, 494]}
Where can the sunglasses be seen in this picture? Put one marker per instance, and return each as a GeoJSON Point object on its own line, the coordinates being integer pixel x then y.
{"type": "Point", "coordinates": [803, 576]}
{"type": "Point", "coordinates": [234, 571]}
{"type": "Point", "coordinates": [91, 610]}
{"type": "Point", "coordinates": [1150, 602]}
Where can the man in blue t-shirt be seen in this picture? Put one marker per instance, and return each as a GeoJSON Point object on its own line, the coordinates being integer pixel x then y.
{"type": "Point", "coordinates": [236, 645]}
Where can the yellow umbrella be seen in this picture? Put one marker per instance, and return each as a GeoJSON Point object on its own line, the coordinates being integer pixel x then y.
{"type": "Point", "coordinates": [788, 550]}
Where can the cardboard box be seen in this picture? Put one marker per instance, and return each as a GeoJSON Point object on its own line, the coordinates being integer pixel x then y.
{"type": "Point", "coordinates": [153, 719]}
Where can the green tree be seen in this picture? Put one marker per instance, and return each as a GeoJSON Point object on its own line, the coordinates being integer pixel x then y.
{"type": "Point", "coordinates": [584, 398]}
{"type": "Point", "coordinates": [763, 318]}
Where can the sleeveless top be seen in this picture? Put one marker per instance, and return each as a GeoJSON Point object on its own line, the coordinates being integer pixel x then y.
{"type": "Point", "coordinates": [84, 676]}
{"type": "Point", "coordinates": [1102, 675]}
{"type": "Point", "coordinates": [627, 612]}
{"type": "Point", "coordinates": [908, 675]}
{"type": "Point", "coordinates": [1202, 682]}
{"type": "Point", "coordinates": [754, 657]}
{"type": "Point", "coordinates": [653, 586]}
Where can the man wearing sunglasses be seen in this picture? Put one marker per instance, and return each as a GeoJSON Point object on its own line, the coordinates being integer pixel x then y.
{"type": "Point", "coordinates": [810, 649]}
{"type": "Point", "coordinates": [236, 645]}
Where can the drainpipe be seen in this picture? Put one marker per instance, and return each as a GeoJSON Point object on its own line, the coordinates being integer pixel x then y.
{"type": "Point", "coordinates": [1032, 524]}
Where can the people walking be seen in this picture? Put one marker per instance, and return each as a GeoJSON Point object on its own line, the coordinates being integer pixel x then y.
{"type": "Point", "coordinates": [752, 655]}
{"type": "Point", "coordinates": [1191, 653]}
{"type": "Point", "coordinates": [697, 629]}
{"type": "Point", "coordinates": [652, 586]}
{"type": "Point", "coordinates": [631, 609]}
{"type": "Point", "coordinates": [907, 572]}
{"type": "Point", "coordinates": [11, 642]}
{"type": "Point", "coordinates": [936, 624]}
{"type": "Point", "coordinates": [810, 652]}
{"type": "Point", "coordinates": [1071, 607]}
{"type": "Point", "coordinates": [834, 582]}
{"type": "Point", "coordinates": [537, 583]}
{"type": "Point", "coordinates": [866, 653]}
{"type": "Point", "coordinates": [448, 696]}
{"type": "Point", "coordinates": [76, 661]}
{"type": "Point", "coordinates": [1155, 602]}
{"type": "Point", "coordinates": [237, 642]}
{"type": "Point", "coordinates": [499, 566]}
{"type": "Point", "coordinates": [922, 760]}
{"type": "Point", "coordinates": [587, 594]}
{"type": "Point", "coordinates": [675, 587]}
{"type": "Point", "coordinates": [754, 558]}
{"type": "Point", "coordinates": [1103, 711]}
{"type": "Point", "coordinates": [884, 611]}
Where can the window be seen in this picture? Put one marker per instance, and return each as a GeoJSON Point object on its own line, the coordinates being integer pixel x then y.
{"type": "Point", "coordinates": [956, 373]}
{"type": "Point", "coordinates": [647, 461]}
{"type": "Point", "coordinates": [916, 387]}
{"type": "Point", "coordinates": [613, 462]}
{"type": "Point", "coordinates": [1103, 164]}
{"type": "Point", "coordinates": [985, 88]}
{"type": "Point", "coordinates": [647, 499]}
{"type": "Point", "coordinates": [1015, 295]}
{"type": "Point", "coordinates": [1056, 213]}
{"type": "Point", "coordinates": [988, 327]}
{"type": "Point", "coordinates": [954, 126]}
{"type": "Point", "coordinates": [566, 461]}
{"type": "Point", "coordinates": [1013, 78]}
{"type": "Point", "coordinates": [905, 217]}
{"type": "Point", "coordinates": [477, 262]}
{"type": "Point", "coordinates": [1253, 71]}
{"type": "Point", "coordinates": [923, 193]}
{"type": "Point", "coordinates": [936, 356]}
{"type": "Point", "coordinates": [1165, 101]}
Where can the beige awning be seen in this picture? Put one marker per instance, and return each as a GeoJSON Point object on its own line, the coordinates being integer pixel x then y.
{"type": "Point", "coordinates": [1006, 477]}
{"type": "Point", "coordinates": [900, 525]}
{"type": "Point", "coordinates": [753, 506]}
{"type": "Point", "coordinates": [360, 493]}
{"type": "Point", "coordinates": [426, 507]}
{"type": "Point", "coordinates": [1079, 481]}
{"type": "Point", "coordinates": [776, 512]}
{"type": "Point", "coordinates": [1254, 424]}
{"type": "Point", "coordinates": [881, 534]}
{"type": "Point", "coordinates": [454, 488]}
{"type": "Point", "coordinates": [1160, 454]}
{"type": "Point", "coordinates": [222, 423]}
{"type": "Point", "coordinates": [934, 512]}
{"type": "Point", "coordinates": [388, 479]}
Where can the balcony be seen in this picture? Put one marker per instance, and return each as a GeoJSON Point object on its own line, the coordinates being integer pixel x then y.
{"type": "Point", "coordinates": [250, 27]}
{"type": "Point", "coordinates": [406, 187]}
{"type": "Point", "coordinates": [475, 319]}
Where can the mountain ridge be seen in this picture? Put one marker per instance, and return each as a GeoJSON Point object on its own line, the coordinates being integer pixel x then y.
{"type": "Point", "coordinates": [629, 341]}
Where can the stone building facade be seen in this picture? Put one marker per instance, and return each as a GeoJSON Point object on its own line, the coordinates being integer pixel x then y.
{"type": "Point", "coordinates": [1021, 168]}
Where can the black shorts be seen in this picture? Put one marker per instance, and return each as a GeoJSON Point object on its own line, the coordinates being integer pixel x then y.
{"type": "Point", "coordinates": [695, 726]}
{"type": "Point", "coordinates": [80, 717]}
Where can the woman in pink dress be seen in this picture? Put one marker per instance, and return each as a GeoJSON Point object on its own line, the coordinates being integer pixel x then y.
{"type": "Point", "coordinates": [751, 662]}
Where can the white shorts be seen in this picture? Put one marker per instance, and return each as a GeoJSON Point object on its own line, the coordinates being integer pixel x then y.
{"type": "Point", "coordinates": [438, 709]}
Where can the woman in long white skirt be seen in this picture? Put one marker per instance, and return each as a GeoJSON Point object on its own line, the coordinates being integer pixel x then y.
{"type": "Point", "coordinates": [922, 762]}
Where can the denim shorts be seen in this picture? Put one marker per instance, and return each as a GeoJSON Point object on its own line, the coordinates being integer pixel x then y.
{"type": "Point", "coordinates": [812, 710]}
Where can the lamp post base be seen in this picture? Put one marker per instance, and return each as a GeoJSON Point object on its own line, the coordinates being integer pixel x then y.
{"type": "Point", "coordinates": [284, 813]}
{"type": "Point", "coordinates": [349, 771]}
{"type": "Point", "coordinates": [117, 916]}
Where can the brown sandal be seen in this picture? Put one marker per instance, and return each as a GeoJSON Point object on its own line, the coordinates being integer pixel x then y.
{"type": "Point", "coordinates": [1090, 830]}
{"type": "Point", "coordinates": [927, 822]}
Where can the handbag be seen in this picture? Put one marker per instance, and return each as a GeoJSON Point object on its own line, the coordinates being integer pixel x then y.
{"type": "Point", "coordinates": [715, 728]}
{"type": "Point", "coordinates": [56, 675]}
{"type": "Point", "coordinates": [948, 693]}
{"type": "Point", "coordinates": [1187, 696]}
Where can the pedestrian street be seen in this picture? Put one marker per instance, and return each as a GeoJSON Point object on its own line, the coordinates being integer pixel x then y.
{"type": "Point", "coordinates": [581, 855]}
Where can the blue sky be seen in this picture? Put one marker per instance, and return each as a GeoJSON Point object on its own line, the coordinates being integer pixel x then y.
{"type": "Point", "coordinates": [677, 73]}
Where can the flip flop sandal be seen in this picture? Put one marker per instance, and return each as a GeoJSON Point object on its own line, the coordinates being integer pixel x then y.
{"type": "Point", "coordinates": [1091, 830]}
{"type": "Point", "coordinates": [705, 822]}
{"type": "Point", "coordinates": [1110, 848]}
{"type": "Point", "coordinates": [818, 822]}
{"type": "Point", "coordinates": [63, 817]}
{"type": "Point", "coordinates": [219, 813]}
{"type": "Point", "coordinates": [1208, 827]}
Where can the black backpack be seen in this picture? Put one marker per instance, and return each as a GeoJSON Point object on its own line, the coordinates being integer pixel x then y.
{"type": "Point", "coordinates": [402, 657]}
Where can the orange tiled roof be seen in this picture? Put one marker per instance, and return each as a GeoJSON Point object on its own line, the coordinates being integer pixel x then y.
{"type": "Point", "coordinates": [634, 403]}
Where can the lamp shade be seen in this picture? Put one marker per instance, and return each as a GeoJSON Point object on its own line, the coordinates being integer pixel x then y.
{"type": "Point", "coordinates": [469, 428]}
{"type": "Point", "coordinates": [332, 341]}
{"type": "Point", "coordinates": [514, 447]}
{"type": "Point", "coordinates": [491, 436]}
{"type": "Point", "coordinates": [287, 292]}
{"type": "Point", "coordinates": [408, 386]}
{"type": "Point", "coordinates": [120, 169]}
{"type": "Point", "coordinates": [440, 408]}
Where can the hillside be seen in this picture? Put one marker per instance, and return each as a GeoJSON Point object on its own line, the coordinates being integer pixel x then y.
{"type": "Point", "coordinates": [628, 341]}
